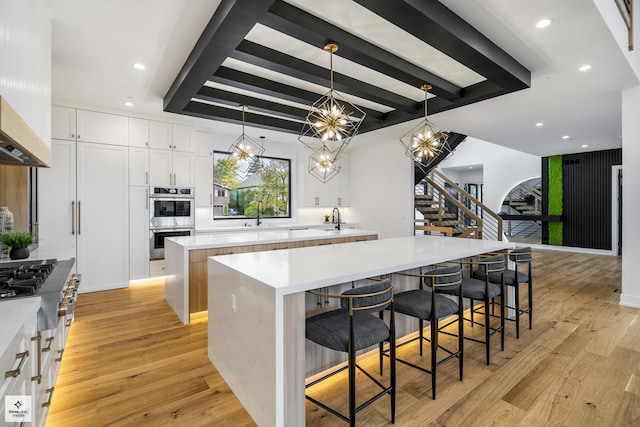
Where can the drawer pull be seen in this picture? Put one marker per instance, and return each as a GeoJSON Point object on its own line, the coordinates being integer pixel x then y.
{"type": "Point", "coordinates": [48, 402]}
{"type": "Point", "coordinates": [60, 352]}
{"type": "Point", "coordinates": [23, 358]}
{"type": "Point", "coordinates": [48, 347]}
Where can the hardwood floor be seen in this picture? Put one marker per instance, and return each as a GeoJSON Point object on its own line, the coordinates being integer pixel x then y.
{"type": "Point", "coordinates": [129, 361]}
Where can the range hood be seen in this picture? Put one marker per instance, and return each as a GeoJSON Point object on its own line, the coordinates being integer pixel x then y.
{"type": "Point", "coordinates": [19, 144]}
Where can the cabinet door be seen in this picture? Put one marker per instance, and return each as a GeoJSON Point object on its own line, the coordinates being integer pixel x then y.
{"type": "Point", "coordinates": [138, 132]}
{"type": "Point", "coordinates": [63, 122]}
{"type": "Point", "coordinates": [183, 169]}
{"type": "Point", "coordinates": [342, 196]}
{"type": "Point", "coordinates": [138, 166]}
{"type": "Point", "coordinates": [139, 236]}
{"type": "Point", "coordinates": [102, 128]}
{"type": "Point", "coordinates": [160, 135]}
{"type": "Point", "coordinates": [204, 180]}
{"type": "Point", "coordinates": [202, 143]}
{"type": "Point", "coordinates": [182, 138]}
{"type": "Point", "coordinates": [160, 168]}
{"type": "Point", "coordinates": [57, 201]}
{"type": "Point", "coordinates": [103, 216]}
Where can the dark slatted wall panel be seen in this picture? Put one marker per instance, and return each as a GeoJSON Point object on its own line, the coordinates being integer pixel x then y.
{"type": "Point", "coordinates": [587, 198]}
{"type": "Point", "coordinates": [545, 198]}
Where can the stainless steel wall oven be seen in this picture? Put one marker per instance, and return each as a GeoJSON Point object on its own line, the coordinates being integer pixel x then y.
{"type": "Point", "coordinates": [172, 213]}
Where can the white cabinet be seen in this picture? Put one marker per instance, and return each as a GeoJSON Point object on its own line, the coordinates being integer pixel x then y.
{"type": "Point", "coordinates": [204, 181]}
{"type": "Point", "coordinates": [160, 135]}
{"type": "Point", "coordinates": [63, 122]}
{"type": "Point", "coordinates": [139, 236]}
{"type": "Point", "coordinates": [171, 168]}
{"type": "Point", "coordinates": [84, 211]}
{"type": "Point", "coordinates": [336, 192]}
{"type": "Point", "coordinates": [138, 166]}
{"type": "Point", "coordinates": [202, 143]}
{"type": "Point", "coordinates": [102, 128]}
{"type": "Point", "coordinates": [138, 132]}
{"type": "Point", "coordinates": [182, 140]}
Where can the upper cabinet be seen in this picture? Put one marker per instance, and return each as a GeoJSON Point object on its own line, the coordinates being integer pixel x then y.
{"type": "Point", "coordinates": [138, 132]}
{"type": "Point", "coordinates": [63, 123]}
{"type": "Point", "coordinates": [102, 128]}
{"type": "Point", "coordinates": [202, 143]}
{"type": "Point", "coordinates": [160, 135]}
{"type": "Point", "coordinates": [182, 138]}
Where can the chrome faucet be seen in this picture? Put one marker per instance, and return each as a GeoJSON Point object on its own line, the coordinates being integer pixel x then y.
{"type": "Point", "coordinates": [333, 217]}
{"type": "Point", "coordinates": [260, 208]}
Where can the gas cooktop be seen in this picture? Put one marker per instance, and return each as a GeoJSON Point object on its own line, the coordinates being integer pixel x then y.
{"type": "Point", "coordinates": [24, 278]}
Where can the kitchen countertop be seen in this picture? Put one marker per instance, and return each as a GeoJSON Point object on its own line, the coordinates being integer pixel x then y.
{"type": "Point", "coordinates": [266, 236]}
{"type": "Point", "coordinates": [253, 227]}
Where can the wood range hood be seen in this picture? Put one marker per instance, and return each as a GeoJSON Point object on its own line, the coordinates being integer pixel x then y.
{"type": "Point", "coordinates": [19, 144]}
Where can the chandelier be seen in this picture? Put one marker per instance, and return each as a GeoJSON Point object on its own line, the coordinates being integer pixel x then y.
{"type": "Point", "coordinates": [324, 165]}
{"type": "Point", "coordinates": [329, 126]}
{"type": "Point", "coordinates": [425, 142]}
{"type": "Point", "coordinates": [246, 152]}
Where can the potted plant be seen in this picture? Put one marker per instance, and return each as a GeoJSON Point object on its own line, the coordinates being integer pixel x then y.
{"type": "Point", "coordinates": [19, 242]}
{"type": "Point", "coordinates": [326, 218]}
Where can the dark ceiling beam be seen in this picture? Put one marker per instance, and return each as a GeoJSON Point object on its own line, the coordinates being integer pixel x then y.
{"type": "Point", "coordinates": [207, 111]}
{"type": "Point", "coordinates": [301, 25]}
{"type": "Point", "coordinates": [242, 80]}
{"type": "Point", "coordinates": [253, 103]}
{"type": "Point", "coordinates": [436, 25]}
{"type": "Point", "coordinates": [231, 22]}
{"type": "Point", "coordinates": [274, 60]}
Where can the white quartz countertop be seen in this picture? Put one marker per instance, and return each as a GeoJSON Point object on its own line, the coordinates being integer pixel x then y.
{"type": "Point", "coordinates": [251, 227]}
{"type": "Point", "coordinates": [14, 312]}
{"type": "Point", "coordinates": [208, 241]}
{"type": "Point", "coordinates": [297, 270]}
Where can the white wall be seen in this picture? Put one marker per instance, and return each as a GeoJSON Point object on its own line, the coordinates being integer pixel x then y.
{"type": "Point", "coordinates": [25, 62]}
{"type": "Point", "coordinates": [382, 189]}
{"type": "Point", "coordinates": [631, 202]}
{"type": "Point", "coordinates": [503, 168]}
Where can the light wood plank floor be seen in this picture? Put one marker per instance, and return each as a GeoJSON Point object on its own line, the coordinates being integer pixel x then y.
{"type": "Point", "coordinates": [129, 361]}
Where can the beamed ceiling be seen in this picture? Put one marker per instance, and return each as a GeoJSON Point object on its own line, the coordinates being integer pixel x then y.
{"type": "Point", "coordinates": [268, 55]}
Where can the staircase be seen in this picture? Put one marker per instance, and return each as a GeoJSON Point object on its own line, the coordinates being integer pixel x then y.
{"type": "Point", "coordinates": [524, 199]}
{"type": "Point", "coordinates": [442, 207]}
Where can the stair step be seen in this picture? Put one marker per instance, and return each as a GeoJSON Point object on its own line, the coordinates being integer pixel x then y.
{"type": "Point", "coordinates": [436, 216]}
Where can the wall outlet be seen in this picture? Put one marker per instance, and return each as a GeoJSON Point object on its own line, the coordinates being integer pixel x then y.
{"type": "Point", "coordinates": [234, 307]}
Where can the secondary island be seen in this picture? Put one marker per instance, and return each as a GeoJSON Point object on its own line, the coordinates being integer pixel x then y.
{"type": "Point", "coordinates": [186, 258]}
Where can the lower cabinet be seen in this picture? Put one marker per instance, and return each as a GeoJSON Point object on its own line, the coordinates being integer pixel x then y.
{"type": "Point", "coordinates": [139, 233]}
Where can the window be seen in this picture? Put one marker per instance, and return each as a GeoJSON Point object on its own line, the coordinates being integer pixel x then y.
{"type": "Point", "coordinates": [235, 197]}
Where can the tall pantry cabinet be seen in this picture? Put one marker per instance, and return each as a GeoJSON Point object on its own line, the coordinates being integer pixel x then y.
{"type": "Point", "coordinates": [84, 210]}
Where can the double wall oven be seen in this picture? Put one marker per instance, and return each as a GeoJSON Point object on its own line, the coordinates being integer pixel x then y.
{"type": "Point", "coordinates": [172, 213]}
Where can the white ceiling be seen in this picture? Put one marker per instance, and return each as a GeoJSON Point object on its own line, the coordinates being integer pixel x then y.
{"type": "Point", "coordinates": [95, 44]}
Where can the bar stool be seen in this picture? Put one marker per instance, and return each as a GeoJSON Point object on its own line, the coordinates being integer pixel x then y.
{"type": "Point", "coordinates": [514, 278]}
{"type": "Point", "coordinates": [354, 327]}
{"type": "Point", "coordinates": [484, 291]}
{"type": "Point", "coordinates": [429, 305]}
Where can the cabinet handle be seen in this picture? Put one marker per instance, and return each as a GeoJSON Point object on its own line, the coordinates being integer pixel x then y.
{"type": "Point", "coordinates": [79, 211]}
{"type": "Point", "coordinates": [38, 376]}
{"type": "Point", "coordinates": [146, 177]}
{"type": "Point", "coordinates": [174, 179]}
{"type": "Point", "coordinates": [317, 201]}
{"type": "Point", "coordinates": [68, 323]}
{"type": "Point", "coordinates": [73, 217]}
{"type": "Point", "coordinates": [339, 201]}
{"type": "Point", "coordinates": [15, 372]}
{"type": "Point", "coordinates": [48, 347]}
{"type": "Point", "coordinates": [48, 402]}
{"type": "Point", "coordinates": [60, 353]}
{"type": "Point", "coordinates": [210, 199]}
{"type": "Point", "coordinates": [73, 135]}
{"type": "Point", "coordinates": [146, 143]}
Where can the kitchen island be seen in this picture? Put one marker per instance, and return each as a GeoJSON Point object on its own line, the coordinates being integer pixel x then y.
{"type": "Point", "coordinates": [257, 310]}
{"type": "Point", "coordinates": [186, 258]}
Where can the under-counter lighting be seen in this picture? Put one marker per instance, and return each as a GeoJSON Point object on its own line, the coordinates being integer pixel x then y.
{"type": "Point", "coordinates": [543, 23]}
{"type": "Point", "coordinates": [585, 67]}
{"type": "Point", "coordinates": [139, 66]}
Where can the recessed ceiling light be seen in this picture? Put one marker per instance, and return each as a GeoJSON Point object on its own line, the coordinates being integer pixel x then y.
{"type": "Point", "coordinates": [585, 67]}
{"type": "Point", "coordinates": [129, 102]}
{"type": "Point", "coordinates": [138, 66]}
{"type": "Point", "coordinates": [566, 137]}
{"type": "Point", "coordinates": [539, 124]}
{"type": "Point", "coordinates": [584, 145]}
{"type": "Point", "coordinates": [470, 167]}
{"type": "Point", "coordinates": [543, 23]}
